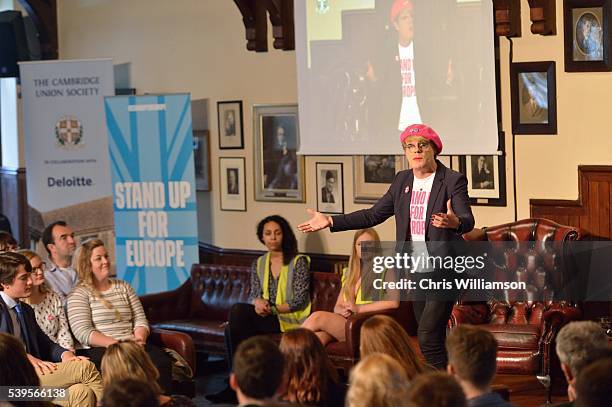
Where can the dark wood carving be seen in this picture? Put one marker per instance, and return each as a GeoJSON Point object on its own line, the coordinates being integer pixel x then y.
{"type": "Point", "coordinates": [543, 17]}
{"type": "Point", "coordinates": [14, 203]}
{"type": "Point", "coordinates": [281, 17]}
{"type": "Point", "coordinates": [255, 18]}
{"type": "Point", "coordinates": [255, 24]}
{"type": "Point", "coordinates": [591, 211]}
{"type": "Point", "coordinates": [507, 18]}
{"type": "Point", "coordinates": [44, 17]}
{"type": "Point", "coordinates": [211, 254]}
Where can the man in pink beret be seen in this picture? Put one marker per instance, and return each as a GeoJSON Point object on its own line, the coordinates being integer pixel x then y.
{"type": "Point", "coordinates": [430, 204]}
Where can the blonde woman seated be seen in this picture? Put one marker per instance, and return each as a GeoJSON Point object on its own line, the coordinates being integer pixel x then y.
{"type": "Point", "coordinates": [383, 334]}
{"type": "Point", "coordinates": [329, 326]}
{"type": "Point", "coordinates": [129, 360]}
{"type": "Point", "coordinates": [48, 309]}
{"type": "Point", "coordinates": [103, 311]}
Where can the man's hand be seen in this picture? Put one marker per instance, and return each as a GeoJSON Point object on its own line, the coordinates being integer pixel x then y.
{"type": "Point", "coordinates": [317, 221]}
{"type": "Point", "coordinates": [68, 356]}
{"type": "Point", "coordinates": [446, 220]}
{"type": "Point", "coordinates": [41, 366]}
{"type": "Point", "coordinates": [262, 307]}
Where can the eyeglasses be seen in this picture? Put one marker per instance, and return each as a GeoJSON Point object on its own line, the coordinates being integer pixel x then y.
{"type": "Point", "coordinates": [421, 146]}
{"type": "Point", "coordinates": [40, 268]}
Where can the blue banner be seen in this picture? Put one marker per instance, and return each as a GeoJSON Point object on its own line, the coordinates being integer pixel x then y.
{"type": "Point", "coordinates": [154, 199]}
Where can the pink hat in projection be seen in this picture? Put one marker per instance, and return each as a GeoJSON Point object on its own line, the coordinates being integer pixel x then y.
{"type": "Point", "coordinates": [422, 130]}
{"type": "Point", "coordinates": [397, 7]}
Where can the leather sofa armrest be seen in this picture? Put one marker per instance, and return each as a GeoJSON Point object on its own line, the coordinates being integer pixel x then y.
{"type": "Point", "coordinates": [564, 314]}
{"type": "Point", "coordinates": [474, 314]}
{"type": "Point", "coordinates": [167, 305]}
{"type": "Point", "coordinates": [353, 328]}
{"type": "Point", "coordinates": [178, 341]}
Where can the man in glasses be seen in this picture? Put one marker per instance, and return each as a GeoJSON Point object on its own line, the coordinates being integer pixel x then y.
{"type": "Point", "coordinates": [430, 204]}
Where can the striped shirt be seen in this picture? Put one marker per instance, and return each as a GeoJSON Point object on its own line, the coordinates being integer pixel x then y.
{"type": "Point", "coordinates": [87, 313]}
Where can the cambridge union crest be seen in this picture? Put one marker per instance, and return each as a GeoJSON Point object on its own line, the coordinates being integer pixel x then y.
{"type": "Point", "coordinates": [69, 132]}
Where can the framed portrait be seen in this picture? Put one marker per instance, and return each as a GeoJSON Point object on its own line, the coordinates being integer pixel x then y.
{"type": "Point", "coordinates": [330, 188]}
{"type": "Point", "coordinates": [279, 171]}
{"type": "Point", "coordinates": [486, 177]}
{"type": "Point", "coordinates": [587, 35]}
{"type": "Point", "coordinates": [232, 183]}
{"type": "Point", "coordinates": [229, 118]}
{"type": "Point", "coordinates": [201, 159]}
{"type": "Point", "coordinates": [373, 174]}
{"type": "Point", "coordinates": [533, 93]}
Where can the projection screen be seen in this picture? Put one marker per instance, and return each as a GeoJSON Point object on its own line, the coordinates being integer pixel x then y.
{"type": "Point", "coordinates": [368, 68]}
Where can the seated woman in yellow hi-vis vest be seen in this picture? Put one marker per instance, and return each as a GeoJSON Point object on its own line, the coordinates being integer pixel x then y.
{"type": "Point", "coordinates": [280, 287]}
{"type": "Point", "coordinates": [329, 326]}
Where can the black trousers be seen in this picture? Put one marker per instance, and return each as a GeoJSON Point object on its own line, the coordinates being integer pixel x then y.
{"type": "Point", "coordinates": [161, 360]}
{"type": "Point", "coordinates": [244, 323]}
{"type": "Point", "coordinates": [432, 317]}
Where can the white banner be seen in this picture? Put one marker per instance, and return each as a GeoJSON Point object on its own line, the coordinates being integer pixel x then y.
{"type": "Point", "coordinates": [67, 163]}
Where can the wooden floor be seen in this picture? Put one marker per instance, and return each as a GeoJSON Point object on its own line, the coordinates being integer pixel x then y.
{"type": "Point", "coordinates": [526, 391]}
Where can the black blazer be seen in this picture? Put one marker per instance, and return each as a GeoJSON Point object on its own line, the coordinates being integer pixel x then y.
{"type": "Point", "coordinates": [447, 184]}
{"type": "Point", "coordinates": [41, 346]}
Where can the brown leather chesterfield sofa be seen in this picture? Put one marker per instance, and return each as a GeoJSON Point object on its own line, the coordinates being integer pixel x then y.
{"type": "Point", "coordinates": [183, 345]}
{"type": "Point", "coordinates": [525, 330]}
{"type": "Point", "coordinates": [201, 305]}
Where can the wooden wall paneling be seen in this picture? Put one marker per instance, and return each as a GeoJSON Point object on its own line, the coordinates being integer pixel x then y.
{"type": "Point", "coordinates": [592, 211]}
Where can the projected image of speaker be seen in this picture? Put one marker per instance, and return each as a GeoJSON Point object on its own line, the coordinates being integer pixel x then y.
{"type": "Point", "coordinates": [14, 45]}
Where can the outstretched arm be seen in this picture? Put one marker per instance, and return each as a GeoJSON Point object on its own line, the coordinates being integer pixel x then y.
{"type": "Point", "coordinates": [317, 222]}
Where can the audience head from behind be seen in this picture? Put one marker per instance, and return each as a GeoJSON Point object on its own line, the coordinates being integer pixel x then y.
{"type": "Point", "coordinates": [258, 370]}
{"type": "Point", "coordinates": [578, 344]}
{"type": "Point", "coordinates": [7, 242]}
{"type": "Point", "coordinates": [594, 384]}
{"type": "Point", "coordinates": [383, 334]}
{"type": "Point", "coordinates": [377, 380]}
{"type": "Point", "coordinates": [15, 275]}
{"type": "Point", "coordinates": [15, 369]}
{"type": "Point", "coordinates": [436, 389]}
{"type": "Point", "coordinates": [309, 373]}
{"type": "Point", "coordinates": [277, 235]}
{"type": "Point", "coordinates": [472, 359]}
{"type": "Point", "coordinates": [58, 239]}
{"type": "Point", "coordinates": [129, 392]}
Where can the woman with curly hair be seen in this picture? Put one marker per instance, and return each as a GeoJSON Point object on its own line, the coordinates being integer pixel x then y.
{"type": "Point", "coordinates": [329, 326]}
{"type": "Point", "coordinates": [103, 310]}
{"type": "Point", "coordinates": [279, 300]}
{"type": "Point", "coordinates": [383, 334]}
{"type": "Point", "coordinates": [311, 377]}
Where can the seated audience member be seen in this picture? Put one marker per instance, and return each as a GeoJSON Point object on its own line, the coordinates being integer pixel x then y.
{"type": "Point", "coordinates": [16, 318]}
{"type": "Point", "coordinates": [61, 277]}
{"type": "Point", "coordinates": [436, 389]}
{"type": "Point", "coordinates": [47, 305]}
{"type": "Point", "coordinates": [129, 393]}
{"type": "Point", "coordinates": [15, 369]}
{"type": "Point", "coordinates": [382, 334]}
{"type": "Point", "coordinates": [103, 311]}
{"type": "Point", "coordinates": [578, 344]}
{"type": "Point", "coordinates": [127, 359]}
{"type": "Point", "coordinates": [311, 377]}
{"type": "Point", "coordinates": [7, 242]}
{"type": "Point", "coordinates": [330, 326]}
{"type": "Point", "coordinates": [594, 384]}
{"type": "Point", "coordinates": [279, 300]}
{"type": "Point", "coordinates": [377, 380]}
{"type": "Point", "coordinates": [258, 371]}
{"type": "Point", "coordinates": [472, 359]}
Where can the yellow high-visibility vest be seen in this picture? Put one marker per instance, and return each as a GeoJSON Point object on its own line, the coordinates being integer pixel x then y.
{"type": "Point", "coordinates": [284, 292]}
